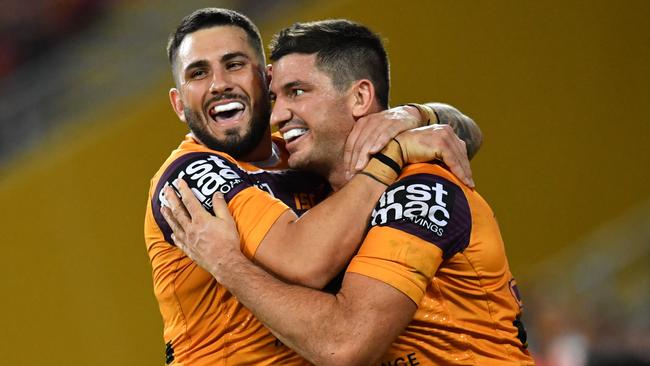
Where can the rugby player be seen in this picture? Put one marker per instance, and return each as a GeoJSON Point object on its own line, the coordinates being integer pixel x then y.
{"type": "Point", "coordinates": [430, 284]}
{"type": "Point", "coordinates": [222, 94]}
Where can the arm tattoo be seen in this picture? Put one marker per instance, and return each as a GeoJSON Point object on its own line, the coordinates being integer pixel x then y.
{"type": "Point", "coordinates": [464, 127]}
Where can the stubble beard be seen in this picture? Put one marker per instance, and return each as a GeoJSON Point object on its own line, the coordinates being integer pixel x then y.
{"type": "Point", "coordinates": [235, 143]}
{"type": "Point", "coordinates": [318, 159]}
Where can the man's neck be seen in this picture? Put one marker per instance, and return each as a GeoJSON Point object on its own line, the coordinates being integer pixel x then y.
{"type": "Point", "coordinates": [337, 174]}
{"type": "Point", "coordinates": [262, 152]}
{"type": "Point", "coordinates": [337, 178]}
{"type": "Point", "coordinates": [273, 160]}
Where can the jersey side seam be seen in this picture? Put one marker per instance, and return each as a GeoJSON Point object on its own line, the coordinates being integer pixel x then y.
{"type": "Point", "coordinates": [488, 302]}
{"type": "Point", "coordinates": [180, 308]}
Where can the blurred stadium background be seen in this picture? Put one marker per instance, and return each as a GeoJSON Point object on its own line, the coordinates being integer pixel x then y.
{"type": "Point", "coordinates": [559, 88]}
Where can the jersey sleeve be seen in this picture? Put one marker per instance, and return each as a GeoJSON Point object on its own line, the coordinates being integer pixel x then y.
{"type": "Point", "coordinates": [254, 210]}
{"type": "Point", "coordinates": [419, 221]}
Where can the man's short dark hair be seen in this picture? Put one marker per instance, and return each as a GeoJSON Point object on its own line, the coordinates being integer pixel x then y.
{"type": "Point", "coordinates": [346, 50]}
{"type": "Point", "coordinates": [212, 17]}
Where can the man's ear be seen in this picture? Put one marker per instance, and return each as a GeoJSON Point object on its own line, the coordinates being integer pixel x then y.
{"type": "Point", "coordinates": [269, 74]}
{"type": "Point", "coordinates": [362, 97]}
{"type": "Point", "coordinates": [177, 103]}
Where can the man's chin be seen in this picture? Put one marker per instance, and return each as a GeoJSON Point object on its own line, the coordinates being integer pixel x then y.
{"type": "Point", "coordinates": [237, 140]}
{"type": "Point", "coordinates": [236, 133]}
{"type": "Point", "coordinates": [228, 141]}
{"type": "Point", "coordinates": [296, 161]}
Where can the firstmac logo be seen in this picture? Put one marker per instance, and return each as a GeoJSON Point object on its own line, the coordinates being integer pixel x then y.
{"type": "Point", "coordinates": [425, 204]}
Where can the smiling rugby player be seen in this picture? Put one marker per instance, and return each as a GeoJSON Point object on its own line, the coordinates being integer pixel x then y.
{"type": "Point", "coordinates": [222, 95]}
{"type": "Point", "coordinates": [429, 285]}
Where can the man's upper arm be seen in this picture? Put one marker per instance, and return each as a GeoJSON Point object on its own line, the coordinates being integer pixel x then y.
{"type": "Point", "coordinates": [418, 222]}
{"type": "Point", "coordinates": [398, 259]}
{"type": "Point", "coordinates": [206, 173]}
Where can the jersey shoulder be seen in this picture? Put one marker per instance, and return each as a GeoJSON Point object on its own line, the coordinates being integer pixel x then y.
{"type": "Point", "coordinates": [428, 202]}
{"type": "Point", "coordinates": [205, 172]}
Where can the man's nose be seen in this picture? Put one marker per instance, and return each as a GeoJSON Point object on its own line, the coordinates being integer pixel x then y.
{"type": "Point", "coordinates": [220, 82]}
{"type": "Point", "coordinates": [280, 114]}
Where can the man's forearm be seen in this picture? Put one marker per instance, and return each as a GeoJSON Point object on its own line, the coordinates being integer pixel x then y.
{"type": "Point", "coordinates": [316, 247]}
{"type": "Point", "coordinates": [296, 315]}
{"type": "Point", "coordinates": [353, 327]}
{"type": "Point", "coordinates": [464, 127]}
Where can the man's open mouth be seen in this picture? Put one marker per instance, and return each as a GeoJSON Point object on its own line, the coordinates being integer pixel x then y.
{"type": "Point", "coordinates": [226, 112]}
{"type": "Point", "coordinates": [293, 134]}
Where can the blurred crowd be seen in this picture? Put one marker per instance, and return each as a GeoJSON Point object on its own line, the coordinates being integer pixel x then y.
{"type": "Point", "coordinates": [28, 30]}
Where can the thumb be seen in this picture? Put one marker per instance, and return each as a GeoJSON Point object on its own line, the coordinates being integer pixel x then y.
{"type": "Point", "coordinates": [179, 244]}
{"type": "Point", "coordinates": [219, 205]}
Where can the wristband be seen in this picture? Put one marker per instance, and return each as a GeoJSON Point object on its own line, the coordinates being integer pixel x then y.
{"type": "Point", "coordinates": [386, 165]}
{"type": "Point", "coordinates": [427, 113]}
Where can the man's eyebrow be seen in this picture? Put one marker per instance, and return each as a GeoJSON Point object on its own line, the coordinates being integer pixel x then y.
{"type": "Point", "coordinates": [292, 84]}
{"type": "Point", "coordinates": [225, 58]}
{"type": "Point", "coordinates": [229, 56]}
{"type": "Point", "coordinates": [286, 88]}
{"type": "Point", "coordinates": [197, 64]}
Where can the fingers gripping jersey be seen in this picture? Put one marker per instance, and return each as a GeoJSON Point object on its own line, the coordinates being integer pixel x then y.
{"type": "Point", "coordinates": [438, 243]}
{"type": "Point", "coordinates": [254, 210]}
{"type": "Point", "coordinates": [207, 173]}
{"type": "Point", "coordinates": [203, 323]}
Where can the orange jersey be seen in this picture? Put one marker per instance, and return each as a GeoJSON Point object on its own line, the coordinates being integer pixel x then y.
{"type": "Point", "coordinates": [438, 242]}
{"type": "Point", "coordinates": [203, 323]}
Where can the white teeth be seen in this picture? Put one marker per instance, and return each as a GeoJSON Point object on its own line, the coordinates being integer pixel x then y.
{"type": "Point", "coordinates": [228, 107]}
{"type": "Point", "coordinates": [293, 133]}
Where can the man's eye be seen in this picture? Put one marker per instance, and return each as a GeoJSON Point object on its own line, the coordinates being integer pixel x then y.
{"type": "Point", "coordinates": [234, 65]}
{"type": "Point", "coordinates": [198, 74]}
{"type": "Point", "coordinates": [297, 92]}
